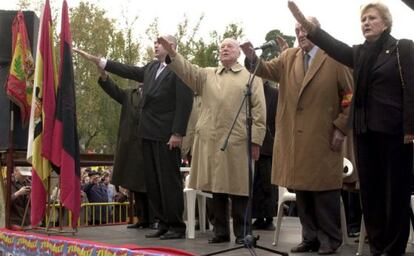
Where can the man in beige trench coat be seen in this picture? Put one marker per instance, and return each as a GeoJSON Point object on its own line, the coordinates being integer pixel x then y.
{"type": "Point", "coordinates": [224, 173]}
{"type": "Point", "coordinates": [311, 124]}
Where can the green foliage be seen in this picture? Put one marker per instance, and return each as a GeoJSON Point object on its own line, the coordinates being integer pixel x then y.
{"type": "Point", "coordinates": [98, 114]}
{"type": "Point", "coordinates": [270, 53]}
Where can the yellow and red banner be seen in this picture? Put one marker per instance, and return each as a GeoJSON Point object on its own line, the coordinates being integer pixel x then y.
{"type": "Point", "coordinates": [42, 117]}
{"type": "Point", "coordinates": [19, 86]}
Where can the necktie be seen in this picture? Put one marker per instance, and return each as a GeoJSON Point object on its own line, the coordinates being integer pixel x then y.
{"type": "Point", "coordinates": [306, 59]}
{"type": "Point", "coordinates": [159, 70]}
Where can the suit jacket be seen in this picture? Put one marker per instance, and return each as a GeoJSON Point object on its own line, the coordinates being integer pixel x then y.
{"type": "Point", "coordinates": [166, 103]}
{"type": "Point", "coordinates": [310, 106]}
{"type": "Point", "coordinates": [390, 109]}
{"type": "Point", "coordinates": [128, 170]}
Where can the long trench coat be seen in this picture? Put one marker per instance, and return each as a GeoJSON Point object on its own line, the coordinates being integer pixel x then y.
{"type": "Point", "coordinates": [309, 108]}
{"type": "Point", "coordinates": [128, 171]}
{"type": "Point", "coordinates": [221, 93]}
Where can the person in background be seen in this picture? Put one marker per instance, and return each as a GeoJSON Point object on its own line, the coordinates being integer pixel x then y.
{"type": "Point", "coordinates": [264, 202]}
{"type": "Point", "coordinates": [382, 122]}
{"type": "Point", "coordinates": [20, 196]}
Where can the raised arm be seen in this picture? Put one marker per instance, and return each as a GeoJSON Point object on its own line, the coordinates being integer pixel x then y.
{"type": "Point", "coordinates": [338, 50]}
{"type": "Point", "coordinates": [192, 75]}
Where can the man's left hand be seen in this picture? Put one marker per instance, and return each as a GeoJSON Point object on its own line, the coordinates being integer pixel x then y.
{"type": "Point", "coordinates": [175, 141]}
{"type": "Point", "coordinates": [255, 152]}
{"type": "Point", "coordinates": [337, 140]}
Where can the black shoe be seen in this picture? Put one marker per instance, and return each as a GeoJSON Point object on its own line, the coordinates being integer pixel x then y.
{"type": "Point", "coordinates": [219, 239]}
{"type": "Point", "coordinates": [239, 240]}
{"type": "Point", "coordinates": [172, 235]}
{"type": "Point", "coordinates": [305, 247]}
{"type": "Point", "coordinates": [139, 225]}
{"type": "Point", "coordinates": [156, 234]}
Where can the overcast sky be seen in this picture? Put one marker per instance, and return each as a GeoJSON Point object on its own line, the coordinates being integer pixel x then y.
{"type": "Point", "coordinates": [338, 17]}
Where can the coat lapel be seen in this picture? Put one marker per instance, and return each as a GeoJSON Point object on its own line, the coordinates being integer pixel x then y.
{"type": "Point", "coordinates": [314, 66]}
{"type": "Point", "coordinates": [149, 83]}
{"type": "Point", "coordinates": [384, 56]}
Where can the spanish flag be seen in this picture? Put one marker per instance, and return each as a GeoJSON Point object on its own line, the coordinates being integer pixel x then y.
{"type": "Point", "coordinates": [65, 150]}
{"type": "Point", "coordinates": [19, 84]}
{"type": "Point", "coordinates": [42, 117]}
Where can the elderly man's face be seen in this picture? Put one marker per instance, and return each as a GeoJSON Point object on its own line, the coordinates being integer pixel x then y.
{"type": "Point", "coordinates": [303, 41]}
{"type": "Point", "coordinates": [229, 52]}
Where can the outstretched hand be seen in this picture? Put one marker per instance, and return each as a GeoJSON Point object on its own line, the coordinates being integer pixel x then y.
{"type": "Point", "coordinates": [300, 18]}
{"type": "Point", "coordinates": [167, 45]}
{"type": "Point", "coordinates": [87, 56]}
{"type": "Point", "coordinates": [281, 42]}
{"type": "Point", "coordinates": [248, 50]}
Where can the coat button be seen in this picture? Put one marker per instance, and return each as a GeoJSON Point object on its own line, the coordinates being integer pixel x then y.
{"type": "Point", "coordinates": [299, 108]}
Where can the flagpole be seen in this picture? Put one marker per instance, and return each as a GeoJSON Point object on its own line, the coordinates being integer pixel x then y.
{"type": "Point", "coordinates": [10, 166]}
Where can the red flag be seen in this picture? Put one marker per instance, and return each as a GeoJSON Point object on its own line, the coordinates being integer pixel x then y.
{"type": "Point", "coordinates": [42, 117]}
{"type": "Point", "coordinates": [19, 84]}
{"type": "Point", "coordinates": [65, 150]}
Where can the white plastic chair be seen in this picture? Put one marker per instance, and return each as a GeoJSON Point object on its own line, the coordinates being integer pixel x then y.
{"type": "Point", "coordinates": [286, 196]}
{"type": "Point", "coordinates": [191, 195]}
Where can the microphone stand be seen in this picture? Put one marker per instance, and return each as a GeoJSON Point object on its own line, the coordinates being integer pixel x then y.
{"type": "Point", "coordinates": [249, 241]}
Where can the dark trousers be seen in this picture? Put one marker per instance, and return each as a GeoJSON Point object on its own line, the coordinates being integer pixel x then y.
{"type": "Point", "coordinates": [319, 214]}
{"type": "Point", "coordinates": [220, 207]}
{"type": "Point", "coordinates": [385, 169]}
{"type": "Point", "coordinates": [142, 209]}
{"type": "Point", "coordinates": [264, 201]}
{"type": "Point", "coordinates": [164, 184]}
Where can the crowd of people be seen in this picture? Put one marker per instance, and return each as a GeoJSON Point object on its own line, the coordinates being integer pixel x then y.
{"type": "Point", "coordinates": [326, 91]}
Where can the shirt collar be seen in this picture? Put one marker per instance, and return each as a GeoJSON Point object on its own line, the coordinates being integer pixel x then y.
{"type": "Point", "coordinates": [235, 68]}
{"type": "Point", "coordinates": [312, 52]}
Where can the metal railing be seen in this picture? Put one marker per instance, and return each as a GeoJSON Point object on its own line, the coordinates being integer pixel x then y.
{"type": "Point", "coordinates": [91, 214]}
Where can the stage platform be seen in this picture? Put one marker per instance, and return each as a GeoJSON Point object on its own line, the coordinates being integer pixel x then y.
{"type": "Point", "coordinates": [131, 239]}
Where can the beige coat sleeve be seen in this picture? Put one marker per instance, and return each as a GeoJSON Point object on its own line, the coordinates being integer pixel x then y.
{"type": "Point", "coordinates": [258, 112]}
{"type": "Point", "coordinates": [192, 75]}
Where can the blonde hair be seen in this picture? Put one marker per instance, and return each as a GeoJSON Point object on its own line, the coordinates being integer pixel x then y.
{"type": "Point", "coordinates": [382, 9]}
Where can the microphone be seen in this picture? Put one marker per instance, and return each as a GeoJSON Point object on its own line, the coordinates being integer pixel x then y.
{"type": "Point", "coordinates": [266, 45]}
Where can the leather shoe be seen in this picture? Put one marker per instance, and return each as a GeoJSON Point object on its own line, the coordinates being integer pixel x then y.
{"type": "Point", "coordinates": [172, 235]}
{"type": "Point", "coordinates": [139, 225]}
{"type": "Point", "coordinates": [156, 234]}
{"type": "Point", "coordinates": [219, 239]}
{"type": "Point", "coordinates": [239, 240]}
{"type": "Point", "coordinates": [325, 251]}
{"type": "Point", "coordinates": [305, 247]}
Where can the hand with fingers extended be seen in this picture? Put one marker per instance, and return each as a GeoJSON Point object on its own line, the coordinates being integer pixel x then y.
{"type": "Point", "coordinates": [248, 50]}
{"type": "Point", "coordinates": [307, 25]}
{"type": "Point", "coordinates": [281, 42]}
{"type": "Point", "coordinates": [87, 56]}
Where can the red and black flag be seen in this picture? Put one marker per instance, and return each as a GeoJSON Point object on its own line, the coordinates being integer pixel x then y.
{"type": "Point", "coordinates": [65, 148]}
